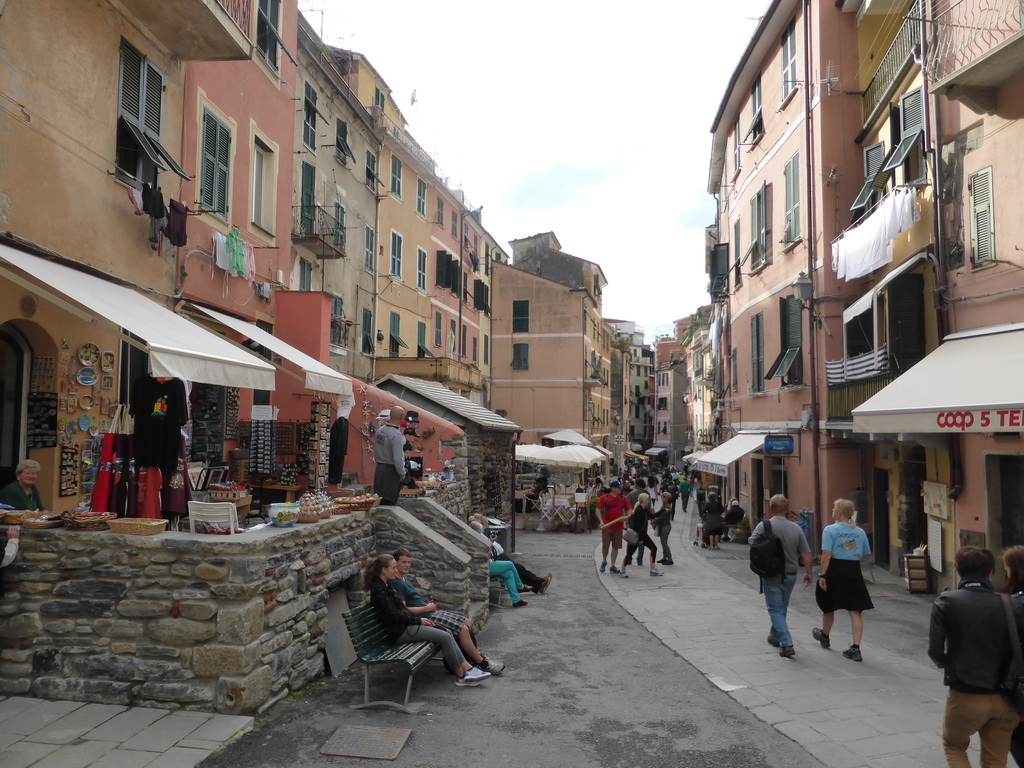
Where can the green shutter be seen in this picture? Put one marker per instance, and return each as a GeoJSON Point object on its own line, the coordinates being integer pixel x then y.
{"type": "Point", "coordinates": [308, 198]}
{"type": "Point", "coordinates": [441, 269]}
{"type": "Point", "coordinates": [905, 309]}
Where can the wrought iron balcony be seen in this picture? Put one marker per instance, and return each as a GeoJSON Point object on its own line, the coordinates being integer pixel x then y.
{"type": "Point", "coordinates": [974, 47]}
{"type": "Point", "coordinates": [453, 373]}
{"type": "Point", "coordinates": [319, 230]}
{"type": "Point", "coordinates": [844, 397]}
{"type": "Point", "coordinates": [198, 30]}
{"type": "Point", "coordinates": [897, 60]}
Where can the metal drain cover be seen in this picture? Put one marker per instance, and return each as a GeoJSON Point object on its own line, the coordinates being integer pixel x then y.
{"type": "Point", "coordinates": [366, 741]}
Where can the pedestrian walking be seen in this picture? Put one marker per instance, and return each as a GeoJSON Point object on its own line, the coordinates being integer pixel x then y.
{"type": "Point", "coordinates": [778, 589]}
{"type": "Point", "coordinates": [638, 519]}
{"type": "Point", "coordinates": [1013, 562]}
{"type": "Point", "coordinates": [611, 512]}
{"type": "Point", "coordinates": [840, 585]}
{"type": "Point", "coordinates": [714, 519]}
{"type": "Point", "coordinates": [684, 492]}
{"type": "Point", "coordinates": [662, 523]}
{"type": "Point", "coordinates": [969, 640]}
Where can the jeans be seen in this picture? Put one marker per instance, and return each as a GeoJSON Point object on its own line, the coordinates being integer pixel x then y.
{"type": "Point", "coordinates": [990, 715]}
{"type": "Point", "coordinates": [777, 590]}
{"type": "Point", "coordinates": [450, 650]}
{"type": "Point", "coordinates": [504, 569]}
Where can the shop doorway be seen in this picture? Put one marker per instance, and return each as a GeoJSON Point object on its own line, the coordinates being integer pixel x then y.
{"type": "Point", "coordinates": [14, 356]}
{"type": "Point", "coordinates": [1004, 476]}
{"type": "Point", "coordinates": [880, 517]}
{"type": "Point", "coordinates": [756, 490]}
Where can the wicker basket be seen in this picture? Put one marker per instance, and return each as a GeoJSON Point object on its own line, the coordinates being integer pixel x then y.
{"type": "Point", "coordinates": [39, 523]}
{"type": "Point", "coordinates": [136, 526]}
{"type": "Point", "coordinates": [15, 517]}
{"type": "Point", "coordinates": [75, 522]}
{"type": "Point", "coordinates": [362, 505]}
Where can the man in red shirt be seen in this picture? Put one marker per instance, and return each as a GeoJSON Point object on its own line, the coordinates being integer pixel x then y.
{"type": "Point", "coordinates": [612, 509]}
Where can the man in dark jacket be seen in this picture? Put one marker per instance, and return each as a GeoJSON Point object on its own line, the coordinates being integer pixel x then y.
{"type": "Point", "coordinates": [969, 640]}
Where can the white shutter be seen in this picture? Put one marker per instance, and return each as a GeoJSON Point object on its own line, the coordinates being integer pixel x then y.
{"type": "Point", "coordinates": [982, 226]}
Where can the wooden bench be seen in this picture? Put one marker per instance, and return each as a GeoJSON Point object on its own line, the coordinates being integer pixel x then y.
{"type": "Point", "coordinates": [372, 646]}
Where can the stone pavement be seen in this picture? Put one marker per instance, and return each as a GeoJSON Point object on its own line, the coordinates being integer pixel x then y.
{"type": "Point", "coordinates": [884, 712]}
{"type": "Point", "coordinates": [35, 733]}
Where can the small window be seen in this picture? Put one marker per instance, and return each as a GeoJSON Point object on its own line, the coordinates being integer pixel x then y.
{"type": "Point", "coordinates": [263, 192]}
{"type": "Point", "coordinates": [520, 357]}
{"type": "Point", "coordinates": [338, 327]}
{"type": "Point", "coordinates": [756, 128]}
{"type": "Point", "coordinates": [378, 98]}
{"type": "Point", "coordinates": [216, 168]}
{"type": "Point", "coordinates": [421, 269]}
{"type": "Point", "coordinates": [342, 149]}
{"type": "Point", "coordinates": [451, 338]}
{"type": "Point", "coordinates": [791, 232]}
{"type": "Point", "coordinates": [396, 176]}
{"type": "Point", "coordinates": [421, 198]}
{"type": "Point", "coordinates": [440, 212]}
{"type": "Point", "coordinates": [487, 349]}
{"type": "Point", "coordinates": [368, 346]}
{"type": "Point", "coordinates": [268, 31]}
{"type": "Point", "coordinates": [309, 113]}
{"type": "Point", "coordinates": [438, 330]}
{"type": "Point", "coordinates": [760, 229]}
{"type": "Point", "coordinates": [983, 235]}
{"type": "Point", "coordinates": [521, 316]}
{"type": "Point", "coordinates": [305, 275]}
{"type": "Point", "coordinates": [789, 79]}
{"type": "Point", "coordinates": [455, 224]}
{"type": "Point", "coordinates": [371, 171]}
{"type": "Point", "coordinates": [462, 342]}
{"type": "Point", "coordinates": [396, 255]}
{"type": "Point", "coordinates": [368, 246]}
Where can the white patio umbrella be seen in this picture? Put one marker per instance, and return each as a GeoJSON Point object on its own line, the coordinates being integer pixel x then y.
{"type": "Point", "coordinates": [568, 436]}
{"type": "Point", "coordinates": [585, 455]}
{"type": "Point", "coordinates": [555, 457]}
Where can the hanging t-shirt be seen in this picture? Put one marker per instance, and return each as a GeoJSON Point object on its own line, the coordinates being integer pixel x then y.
{"type": "Point", "coordinates": [160, 408]}
{"type": "Point", "coordinates": [236, 247]}
{"type": "Point", "coordinates": [338, 450]}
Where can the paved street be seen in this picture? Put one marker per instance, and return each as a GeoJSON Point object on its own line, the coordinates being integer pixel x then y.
{"type": "Point", "coordinates": [603, 672]}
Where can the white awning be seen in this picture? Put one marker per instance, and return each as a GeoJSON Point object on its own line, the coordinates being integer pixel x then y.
{"type": "Point", "coordinates": [177, 347]}
{"type": "Point", "coordinates": [696, 456]}
{"type": "Point", "coordinates": [568, 436]}
{"type": "Point", "coordinates": [971, 383]}
{"type": "Point", "coordinates": [865, 302]}
{"type": "Point", "coordinates": [319, 377]}
{"type": "Point", "coordinates": [657, 449]}
{"type": "Point", "coordinates": [717, 460]}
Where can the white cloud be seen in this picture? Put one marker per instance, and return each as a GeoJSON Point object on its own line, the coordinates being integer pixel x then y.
{"type": "Point", "coordinates": [591, 120]}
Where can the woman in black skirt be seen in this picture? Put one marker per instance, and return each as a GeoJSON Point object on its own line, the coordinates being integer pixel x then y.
{"type": "Point", "coordinates": [840, 581]}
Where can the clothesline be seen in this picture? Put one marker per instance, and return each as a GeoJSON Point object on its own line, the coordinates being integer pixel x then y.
{"type": "Point", "coordinates": [868, 246]}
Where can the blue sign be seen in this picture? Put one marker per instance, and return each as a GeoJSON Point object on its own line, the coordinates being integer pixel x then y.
{"type": "Point", "coordinates": [778, 445]}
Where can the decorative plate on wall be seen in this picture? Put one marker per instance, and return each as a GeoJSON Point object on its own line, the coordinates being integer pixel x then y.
{"type": "Point", "coordinates": [89, 354]}
{"type": "Point", "coordinates": [87, 377]}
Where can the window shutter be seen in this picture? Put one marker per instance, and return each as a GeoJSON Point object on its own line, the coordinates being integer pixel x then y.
{"type": "Point", "coordinates": [453, 278]}
{"type": "Point", "coordinates": [308, 197]}
{"type": "Point", "coordinates": [905, 304]}
{"type": "Point", "coordinates": [441, 268]}
{"type": "Point", "coordinates": [209, 188]}
{"type": "Point", "coordinates": [154, 100]}
{"type": "Point", "coordinates": [223, 163]}
{"type": "Point", "coordinates": [763, 211]}
{"type": "Point", "coordinates": [982, 227]}
{"type": "Point", "coordinates": [911, 112]}
{"type": "Point", "coordinates": [478, 294]}
{"type": "Point", "coordinates": [794, 338]}
{"type": "Point", "coordinates": [131, 83]}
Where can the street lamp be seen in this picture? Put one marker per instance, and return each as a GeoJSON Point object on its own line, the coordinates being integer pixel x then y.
{"type": "Point", "coordinates": [803, 288]}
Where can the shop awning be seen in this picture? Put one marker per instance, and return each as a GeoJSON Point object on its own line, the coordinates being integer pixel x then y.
{"type": "Point", "coordinates": [319, 377]}
{"type": "Point", "coordinates": [971, 383]}
{"type": "Point", "coordinates": [865, 302]}
{"type": "Point", "coordinates": [177, 347]}
{"type": "Point", "coordinates": [568, 436]}
{"type": "Point", "coordinates": [635, 455]}
{"type": "Point", "coordinates": [717, 460]}
{"type": "Point", "coordinates": [656, 450]}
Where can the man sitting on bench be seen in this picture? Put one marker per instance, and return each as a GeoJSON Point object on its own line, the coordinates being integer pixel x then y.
{"type": "Point", "coordinates": [402, 627]}
{"type": "Point", "coordinates": [454, 622]}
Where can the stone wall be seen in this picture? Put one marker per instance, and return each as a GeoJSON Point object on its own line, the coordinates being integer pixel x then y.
{"type": "Point", "coordinates": [454, 499]}
{"type": "Point", "coordinates": [434, 517]}
{"type": "Point", "coordinates": [226, 624]}
{"type": "Point", "coordinates": [490, 465]}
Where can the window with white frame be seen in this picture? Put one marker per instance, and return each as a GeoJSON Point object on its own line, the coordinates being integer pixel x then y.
{"type": "Point", "coordinates": [215, 176]}
{"type": "Point", "coordinates": [396, 176]}
{"type": "Point", "coordinates": [263, 186]}
{"type": "Point", "coordinates": [789, 78]}
{"type": "Point", "coordinates": [421, 198]}
{"type": "Point", "coordinates": [791, 231]}
{"type": "Point", "coordinates": [759, 251]}
{"type": "Point", "coordinates": [736, 155]}
{"type": "Point", "coordinates": [368, 246]}
{"type": "Point", "coordinates": [139, 156]}
{"type": "Point", "coordinates": [421, 269]}
{"type": "Point", "coordinates": [983, 233]}
{"type": "Point", "coordinates": [757, 119]}
{"type": "Point", "coordinates": [396, 255]}
{"type": "Point", "coordinates": [305, 275]}
{"type": "Point", "coordinates": [309, 113]}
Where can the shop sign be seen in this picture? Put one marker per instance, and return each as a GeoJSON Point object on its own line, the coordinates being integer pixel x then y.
{"type": "Point", "coordinates": [1009, 420]}
{"type": "Point", "coordinates": [778, 445]}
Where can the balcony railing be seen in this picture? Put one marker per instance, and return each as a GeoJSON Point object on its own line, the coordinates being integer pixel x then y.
{"type": "Point", "coordinates": [447, 370]}
{"type": "Point", "coordinates": [843, 398]}
{"type": "Point", "coordinates": [317, 226]}
{"type": "Point", "coordinates": [894, 64]}
{"type": "Point", "coordinates": [197, 30]}
{"type": "Point", "coordinates": [241, 12]}
{"type": "Point", "coordinates": [981, 35]}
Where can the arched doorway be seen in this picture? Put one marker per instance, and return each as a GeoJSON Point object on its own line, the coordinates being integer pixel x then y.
{"type": "Point", "coordinates": [15, 354]}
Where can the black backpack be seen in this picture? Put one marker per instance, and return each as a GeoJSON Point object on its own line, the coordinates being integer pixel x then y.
{"type": "Point", "coordinates": [766, 555]}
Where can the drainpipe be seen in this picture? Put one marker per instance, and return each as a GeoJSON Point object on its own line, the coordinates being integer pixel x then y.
{"type": "Point", "coordinates": [812, 351]}
{"type": "Point", "coordinates": [376, 252]}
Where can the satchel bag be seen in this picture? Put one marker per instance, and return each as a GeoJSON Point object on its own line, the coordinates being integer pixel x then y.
{"type": "Point", "coordinates": [631, 536]}
{"type": "Point", "coordinates": [1014, 683]}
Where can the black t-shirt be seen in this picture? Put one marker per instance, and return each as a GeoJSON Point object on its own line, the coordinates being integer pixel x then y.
{"type": "Point", "coordinates": [159, 408]}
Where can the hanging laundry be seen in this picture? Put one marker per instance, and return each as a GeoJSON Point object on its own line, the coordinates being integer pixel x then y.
{"type": "Point", "coordinates": [136, 197]}
{"type": "Point", "coordinates": [221, 257]}
{"type": "Point", "coordinates": [177, 216]}
{"type": "Point", "coordinates": [237, 250]}
{"type": "Point", "coordinates": [153, 201]}
{"type": "Point", "coordinates": [250, 262]}
{"type": "Point", "coordinates": [868, 246]}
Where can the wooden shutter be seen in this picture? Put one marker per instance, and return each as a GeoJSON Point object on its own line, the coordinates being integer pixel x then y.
{"type": "Point", "coordinates": [454, 278]}
{"type": "Point", "coordinates": [719, 270]}
{"type": "Point", "coordinates": [441, 268]}
{"type": "Point", "coordinates": [757, 352]}
{"type": "Point", "coordinates": [154, 100]}
{"type": "Point", "coordinates": [308, 197]}
{"type": "Point", "coordinates": [905, 304]}
{"type": "Point", "coordinates": [223, 165]}
{"type": "Point", "coordinates": [982, 227]}
{"type": "Point", "coordinates": [131, 83]}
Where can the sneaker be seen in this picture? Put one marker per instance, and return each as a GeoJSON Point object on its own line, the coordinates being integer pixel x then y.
{"type": "Point", "coordinates": [615, 570]}
{"type": "Point", "coordinates": [624, 574]}
{"type": "Point", "coordinates": [787, 652]}
{"type": "Point", "coordinates": [546, 584]}
{"type": "Point", "coordinates": [853, 653]}
{"type": "Point", "coordinates": [475, 673]}
{"type": "Point", "coordinates": [494, 666]}
{"type": "Point", "coordinates": [656, 572]}
{"type": "Point", "coordinates": [668, 562]}
{"type": "Point", "coordinates": [466, 681]}
{"type": "Point", "coordinates": [520, 604]}
{"type": "Point", "coordinates": [603, 565]}
{"type": "Point", "coordinates": [774, 643]}
{"type": "Point", "coordinates": [821, 637]}
{"type": "Point", "coordinates": [664, 561]}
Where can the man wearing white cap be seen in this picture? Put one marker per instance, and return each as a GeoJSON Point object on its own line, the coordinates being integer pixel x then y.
{"type": "Point", "coordinates": [389, 454]}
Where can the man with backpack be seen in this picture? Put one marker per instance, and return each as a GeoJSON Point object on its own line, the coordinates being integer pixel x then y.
{"type": "Point", "coordinates": [777, 547]}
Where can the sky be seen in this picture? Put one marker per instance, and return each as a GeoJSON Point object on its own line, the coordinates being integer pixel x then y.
{"type": "Point", "coordinates": [589, 120]}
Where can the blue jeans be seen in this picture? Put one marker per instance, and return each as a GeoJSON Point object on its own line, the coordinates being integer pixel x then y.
{"type": "Point", "coordinates": [504, 569]}
{"type": "Point", "coordinates": [777, 591]}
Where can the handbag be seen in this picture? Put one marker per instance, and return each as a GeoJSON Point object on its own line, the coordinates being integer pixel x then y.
{"type": "Point", "coordinates": [1014, 683]}
{"type": "Point", "coordinates": [631, 536]}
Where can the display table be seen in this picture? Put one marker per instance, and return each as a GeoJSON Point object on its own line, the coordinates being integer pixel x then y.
{"type": "Point", "coordinates": [291, 492]}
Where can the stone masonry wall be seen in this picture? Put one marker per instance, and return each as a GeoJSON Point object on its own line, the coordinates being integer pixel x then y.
{"type": "Point", "coordinates": [212, 623]}
{"type": "Point", "coordinates": [452, 529]}
{"type": "Point", "coordinates": [490, 465]}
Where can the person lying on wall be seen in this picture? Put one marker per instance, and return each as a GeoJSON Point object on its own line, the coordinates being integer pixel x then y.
{"type": "Point", "coordinates": [452, 621]}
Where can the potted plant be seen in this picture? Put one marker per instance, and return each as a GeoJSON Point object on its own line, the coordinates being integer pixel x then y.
{"type": "Point", "coordinates": [741, 533]}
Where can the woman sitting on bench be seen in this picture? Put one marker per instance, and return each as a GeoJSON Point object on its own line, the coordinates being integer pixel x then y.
{"type": "Point", "coordinates": [403, 627]}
